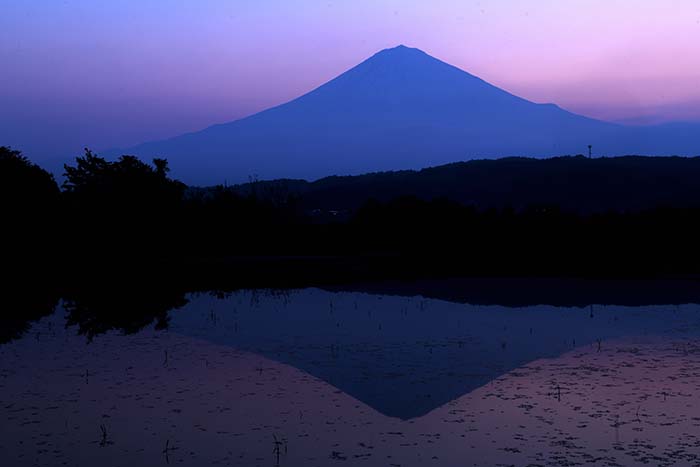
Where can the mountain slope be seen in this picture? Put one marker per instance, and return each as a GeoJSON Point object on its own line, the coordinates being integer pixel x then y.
{"type": "Point", "coordinates": [400, 109]}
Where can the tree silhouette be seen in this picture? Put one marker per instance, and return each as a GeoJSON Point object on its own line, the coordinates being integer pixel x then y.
{"type": "Point", "coordinates": [25, 188]}
{"type": "Point", "coordinates": [127, 186]}
{"type": "Point", "coordinates": [125, 208]}
{"type": "Point", "coordinates": [29, 201]}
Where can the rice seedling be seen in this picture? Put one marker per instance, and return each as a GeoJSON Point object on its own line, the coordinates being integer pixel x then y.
{"type": "Point", "coordinates": [167, 450]}
{"type": "Point", "coordinates": [104, 438]}
{"type": "Point", "coordinates": [277, 449]}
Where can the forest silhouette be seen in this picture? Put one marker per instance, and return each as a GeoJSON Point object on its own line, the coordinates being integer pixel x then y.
{"type": "Point", "coordinates": [127, 218]}
{"type": "Point", "coordinates": [121, 242]}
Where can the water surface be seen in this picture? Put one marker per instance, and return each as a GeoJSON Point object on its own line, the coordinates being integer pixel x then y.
{"type": "Point", "coordinates": [317, 378]}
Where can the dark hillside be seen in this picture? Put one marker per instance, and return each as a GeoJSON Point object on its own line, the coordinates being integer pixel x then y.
{"type": "Point", "coordinates": [575, 184]}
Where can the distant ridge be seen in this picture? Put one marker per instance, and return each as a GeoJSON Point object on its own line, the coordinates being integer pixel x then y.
{"type": "Point", "coordinates": [575, 184]}
{"type": "Point", "coordinates": [400, 109]}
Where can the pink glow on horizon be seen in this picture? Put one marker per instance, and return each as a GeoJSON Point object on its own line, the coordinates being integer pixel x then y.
{"type": "Point", "coordinates": [177, 65]}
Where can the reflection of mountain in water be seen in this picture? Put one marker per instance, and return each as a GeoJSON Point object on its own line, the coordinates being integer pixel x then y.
{"type": "Point", "coordinates": [630, 404]}
{"type": "Point", "coordinates": [403, 356]}
{"type": "Point", "coordinates": [408, 356]}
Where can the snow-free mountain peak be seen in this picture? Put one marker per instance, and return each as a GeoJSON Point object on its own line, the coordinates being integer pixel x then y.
{"type": "Point", "coordinates": [399, 109]}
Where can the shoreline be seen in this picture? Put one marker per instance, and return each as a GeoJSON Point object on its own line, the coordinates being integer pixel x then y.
{"type": "Point", "coordinates": [391, 275]}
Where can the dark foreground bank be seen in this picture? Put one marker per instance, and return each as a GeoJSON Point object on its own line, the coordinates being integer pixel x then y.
{"type": "Point", "coordinates": [128, 221]}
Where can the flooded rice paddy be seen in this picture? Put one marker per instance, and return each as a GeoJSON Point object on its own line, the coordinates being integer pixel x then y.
{"type": "Point", "coordinates": [317, 378]}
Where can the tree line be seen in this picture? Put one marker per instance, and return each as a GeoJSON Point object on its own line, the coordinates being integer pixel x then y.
{"type": "Point", "coordinates": [121, 242]}
{"type": "Point", "coordinates": [127, 218]}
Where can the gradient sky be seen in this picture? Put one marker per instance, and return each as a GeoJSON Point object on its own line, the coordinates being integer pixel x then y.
{"type": "Point", "coordinates": [115, 73]}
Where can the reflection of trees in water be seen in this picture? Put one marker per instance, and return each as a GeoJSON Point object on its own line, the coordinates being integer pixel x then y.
{"type": "Point", "coordinates": [99, 309]}
{"type": "Point", "coordinates": [22, 307]}
{"type": "Point", "coordinates": [124, 309]}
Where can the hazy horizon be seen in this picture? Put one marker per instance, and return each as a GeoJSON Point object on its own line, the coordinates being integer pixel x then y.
{"type": "Point", "coordinates": [115, 75]}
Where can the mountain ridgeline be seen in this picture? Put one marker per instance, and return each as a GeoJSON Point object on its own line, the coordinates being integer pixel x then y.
{"type": "Point", "coordinates": [572, 184]}
{"type": "Point", "coordinates": [400, 109]}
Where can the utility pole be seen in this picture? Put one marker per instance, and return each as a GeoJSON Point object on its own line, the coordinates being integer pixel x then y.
{"type": "Point", "coordinates": [590, 151]}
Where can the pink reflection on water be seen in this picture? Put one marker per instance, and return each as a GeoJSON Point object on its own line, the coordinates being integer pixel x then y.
{"type": "Point", "coordinates": [166, 398]}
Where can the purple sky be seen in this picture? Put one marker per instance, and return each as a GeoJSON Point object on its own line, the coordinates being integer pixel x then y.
{"type": "Point", "coordinates": [112, 74]}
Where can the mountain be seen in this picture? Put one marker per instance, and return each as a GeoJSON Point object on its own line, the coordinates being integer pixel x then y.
{"type": "Point", "coordinates": [400, 109]}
